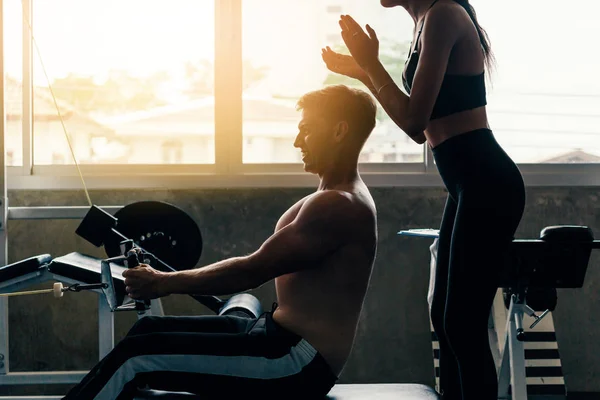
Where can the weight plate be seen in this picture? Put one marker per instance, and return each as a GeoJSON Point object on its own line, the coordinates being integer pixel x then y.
{"type": "Point", "coordinates": [161, 229]}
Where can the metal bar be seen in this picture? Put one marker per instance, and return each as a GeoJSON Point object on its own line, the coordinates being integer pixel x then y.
{"type": "Point", "coordinates": [3, 195]}
{"type": "Point", "coordinates": [4, 346]}
{"type": "Point", "coordinates": [493, 338]}
{"type": "Point", "coordinates": [3, 335]}
{"type": "Point", "coordinates": [106, 327]}
{"type": "Point", "coordinates": [76, 212]}
{"type": "Point", "coordinates": [37, 378]}
{"type": "Point", "coordinates": [27, 90]}
{"type": "Point", "coordinates": [518, 381]}
{"type": "Point", "coordinates": [505, 366]}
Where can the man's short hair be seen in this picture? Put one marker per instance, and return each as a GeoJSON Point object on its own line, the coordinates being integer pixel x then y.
{"type": "Point", "coordinates": [343, 103]}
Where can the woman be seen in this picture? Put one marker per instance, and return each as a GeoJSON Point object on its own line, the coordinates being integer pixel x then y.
{"type": "Point", "coordinates": [445, 79]}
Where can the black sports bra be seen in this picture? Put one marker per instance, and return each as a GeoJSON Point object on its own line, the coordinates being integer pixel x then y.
{"type": "Point", "coordinates": [457, 92]}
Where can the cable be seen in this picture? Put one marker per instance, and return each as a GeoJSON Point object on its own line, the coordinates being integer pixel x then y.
{"type": "Point", "coordinates": [87, 194]}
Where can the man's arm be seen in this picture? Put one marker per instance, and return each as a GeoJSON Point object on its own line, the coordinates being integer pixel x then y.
{"type": "Point", "coordinates": [321, 227]}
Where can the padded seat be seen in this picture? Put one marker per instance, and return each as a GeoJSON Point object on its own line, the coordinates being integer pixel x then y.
{"type": "Point", "coordinates": [24, 267]}
{"type": "Point", "coordinates": [86, 269]}
{"type": "Point", "coordinates": [388, 391]}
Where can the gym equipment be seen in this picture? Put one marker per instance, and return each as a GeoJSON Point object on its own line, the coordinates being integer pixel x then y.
{"type": "Point", "coordinates": [535, 268]}
{"type": "Point", "coordinates": [384, 391]}
{"type": "Point", "coordinates": [157, 240]}
{"type": "Point", "coordinates": [79, 272]}
{"type": "Point", "coordinates": [557, 260]}
{"type": "Point", "coordinates": [57, 290]}
{"type": "Point", "coordinates": [160, 228]}
{"type": "Point", "coordinates": [104, 276]}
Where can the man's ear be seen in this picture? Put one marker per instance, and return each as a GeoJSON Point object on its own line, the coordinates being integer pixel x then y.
{"type": "Point", "coordinates": [341, 131]}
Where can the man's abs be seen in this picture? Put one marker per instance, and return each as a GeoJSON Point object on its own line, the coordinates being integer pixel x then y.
{"type": "Point", "coordinates": [323, 305]}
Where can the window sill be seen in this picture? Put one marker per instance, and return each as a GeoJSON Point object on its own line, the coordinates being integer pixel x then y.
{"type": "Point", "coordinates": [534, 176]}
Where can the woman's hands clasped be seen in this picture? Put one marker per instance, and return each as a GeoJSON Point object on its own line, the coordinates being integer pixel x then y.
{"type": "Point", "coordinates": [363, 47]}
{"type": "Point", "coordinates": [343, 64]}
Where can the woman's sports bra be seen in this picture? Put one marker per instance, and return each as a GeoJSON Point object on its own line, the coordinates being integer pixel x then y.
{"type": "Point", "coordinates": [457, 92]}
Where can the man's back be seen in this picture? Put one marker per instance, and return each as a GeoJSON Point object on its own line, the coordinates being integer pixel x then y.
{"type": "Point", "coordinates": [323, 303]}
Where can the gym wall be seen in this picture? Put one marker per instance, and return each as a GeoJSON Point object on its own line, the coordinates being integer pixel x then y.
{"type": "Point", "coordinates": [394, 341]}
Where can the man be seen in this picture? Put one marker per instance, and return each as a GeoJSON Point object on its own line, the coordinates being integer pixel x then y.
{"type": "Point", "coordinates": [320, 255]}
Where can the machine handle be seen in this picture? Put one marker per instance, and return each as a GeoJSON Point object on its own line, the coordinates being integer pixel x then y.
{"type": "Point", "coordinates": [133, 261]}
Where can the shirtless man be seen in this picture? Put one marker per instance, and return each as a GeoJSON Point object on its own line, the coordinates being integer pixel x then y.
{"type": "Point", "coordinates": [320, 255]}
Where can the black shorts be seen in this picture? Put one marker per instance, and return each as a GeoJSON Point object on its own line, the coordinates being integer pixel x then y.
{"type": "Point", "coordinates": [221, 356]}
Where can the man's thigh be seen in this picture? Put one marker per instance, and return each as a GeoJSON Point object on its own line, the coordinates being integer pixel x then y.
{"type": "Point", "coordinates": [227, 363]}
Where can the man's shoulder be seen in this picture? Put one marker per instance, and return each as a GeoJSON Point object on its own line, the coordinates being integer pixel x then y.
{"type": "Point", "coordinates": [342, 203]}
{"type": "Point", "coordinates": [330, 197]}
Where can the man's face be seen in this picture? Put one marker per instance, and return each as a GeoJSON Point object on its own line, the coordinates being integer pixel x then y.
{"type": "Point", "coordinates": [316, 141]}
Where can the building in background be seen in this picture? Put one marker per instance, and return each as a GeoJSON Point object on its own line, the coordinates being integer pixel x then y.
{"type": "Point", "coordinates": [92, 141]}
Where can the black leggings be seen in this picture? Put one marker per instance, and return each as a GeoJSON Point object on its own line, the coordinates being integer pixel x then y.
{"type": "Point", "coordinates": [486, 199]}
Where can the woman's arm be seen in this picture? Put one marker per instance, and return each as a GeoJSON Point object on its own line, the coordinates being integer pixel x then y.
{"type": "Point", "coordinates": [412, 114]}
{"type": "Point", "coordinates": [419, 138]}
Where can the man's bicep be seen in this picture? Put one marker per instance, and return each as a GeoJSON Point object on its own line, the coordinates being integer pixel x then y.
{"type": "Point", "coordinates": [301, 243]}
{"type": "Point", "coordinates": [317, 232]}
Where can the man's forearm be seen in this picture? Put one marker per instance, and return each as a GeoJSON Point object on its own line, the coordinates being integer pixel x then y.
{"type": "Point", "coordinates": [225, 277]}
{"type": "Point", "coordinates": [388, 107]}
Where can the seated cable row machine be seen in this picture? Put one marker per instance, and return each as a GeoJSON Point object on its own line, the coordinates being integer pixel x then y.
{"type": "Point", "coordinates": [169, 233]}
{"type": "Point", "coordinates": [161, 227]}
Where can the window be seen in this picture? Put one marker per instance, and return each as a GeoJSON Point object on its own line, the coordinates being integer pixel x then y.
{"type": "Point", "coordinates": [13, 81]}
{"type": "Point", "coordinates": [172, 152]}
{"type": "Point", "coordinates": [205, 92]}
{"type": "Point", "coordinates": [136, 73]}
{"type": "Point", "coordinates": [544, 105]}
{"type": "Point", "coordinates": [281, 63]}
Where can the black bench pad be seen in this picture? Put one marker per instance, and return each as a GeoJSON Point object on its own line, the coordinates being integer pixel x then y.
{"type": "Point", "coordinates": [24, 267]}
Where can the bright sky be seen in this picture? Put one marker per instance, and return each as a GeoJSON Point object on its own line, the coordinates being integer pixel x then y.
{"type": "Point", "coordinates": [541, 45]}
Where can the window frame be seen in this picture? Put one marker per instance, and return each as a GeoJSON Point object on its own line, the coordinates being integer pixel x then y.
{"type": "Point", "coordinates": [229, 169]}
